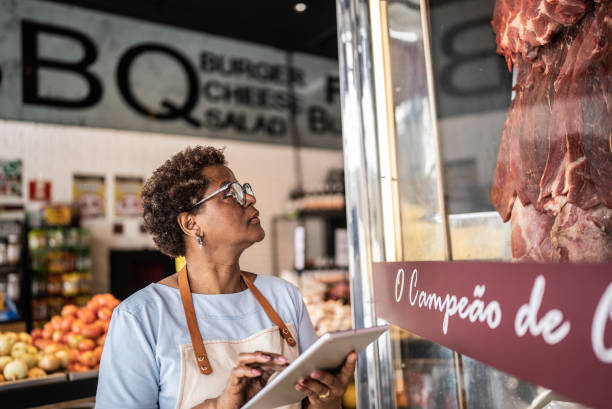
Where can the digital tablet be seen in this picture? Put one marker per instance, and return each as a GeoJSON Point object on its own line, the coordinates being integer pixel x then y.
{"type": "Point", "coordinates": [328, 352]}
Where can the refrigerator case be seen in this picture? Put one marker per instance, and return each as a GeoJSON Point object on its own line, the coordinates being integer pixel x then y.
{"type": "Point", "coordinates": [444, 132]}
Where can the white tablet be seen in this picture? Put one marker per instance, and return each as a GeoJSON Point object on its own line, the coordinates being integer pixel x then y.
{"type": "Point", "coordinates": [328, 352]}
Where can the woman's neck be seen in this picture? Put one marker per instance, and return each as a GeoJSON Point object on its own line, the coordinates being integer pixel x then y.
{"type": "Point", "coordinates": [210, 276]}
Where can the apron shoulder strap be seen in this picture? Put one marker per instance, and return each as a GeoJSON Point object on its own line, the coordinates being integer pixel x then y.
{"type": "Point", "coordinates": [192, 323]}
{"type": "Point", "coordinates": [284, 331]}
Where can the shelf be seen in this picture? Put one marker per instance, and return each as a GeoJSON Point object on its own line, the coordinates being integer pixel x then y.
{"type": "Point", "coordinates": [51, 389]}
{"type": "Point", "coordinates": [9, 268]}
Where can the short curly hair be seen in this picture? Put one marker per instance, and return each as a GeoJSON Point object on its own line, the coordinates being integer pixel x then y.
{"type": "Point", "coordinates": [173, 188]}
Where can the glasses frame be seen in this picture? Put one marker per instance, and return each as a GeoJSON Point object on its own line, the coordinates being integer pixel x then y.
{"type": "Point", "coordinates": [243, 187]}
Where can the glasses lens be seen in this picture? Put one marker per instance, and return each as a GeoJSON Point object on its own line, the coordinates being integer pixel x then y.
{"type": "Point", "coordinates": [248, 189]}
{"type": "Point", "coordinates": [236, 191]}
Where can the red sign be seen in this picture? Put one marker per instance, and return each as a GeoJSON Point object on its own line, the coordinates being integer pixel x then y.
{"type": "Point", "coordinates": [40, 190]}
{"type": "Point", "coordinates": [549, 324]}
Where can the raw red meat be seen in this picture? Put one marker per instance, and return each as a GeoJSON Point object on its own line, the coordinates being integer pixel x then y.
{"type": "Point", "coordinates": [556, 151]}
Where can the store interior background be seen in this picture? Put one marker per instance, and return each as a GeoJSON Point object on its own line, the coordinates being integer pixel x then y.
{"type": "Point", "coordinates": [473, 95]}
{"type": "Point", "coordinates": [56, 152]}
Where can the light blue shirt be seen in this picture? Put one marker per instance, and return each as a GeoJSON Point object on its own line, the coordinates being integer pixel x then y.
{"type": "Point", "coordinates": [141, 362]}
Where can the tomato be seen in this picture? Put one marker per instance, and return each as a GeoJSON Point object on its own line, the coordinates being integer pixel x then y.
{"type": "Point", "coordinates": [105, 313]}
{"type": "Point", "coordinates": [36, 334]}
{"type": "Point", "coordinates": [69, 310]}
{"type": "Point", "coordinates": [57, 335]}
{"type": "Point", "coordinates": [73, 339]}
{"type": "Point", "coordinates": [110, 301]}
{"type": "Point", "coordinates": [74, 355]}
{"type": "Point", "coordinates": [47, 333]}
{"type": "Point", "coordinates": [41, 343]}
{"type": "Point", "coordinates": [86, 345]}
{"type": "Point", "coordinates": [77, 367]}
{"type": "Point", "coordinates": [66, 323]}
{"type": "Point", "coordinates": [98, 353]}
{"type": "Point", "coordinates": [100, 340]}
{"type": "Point", "coordinates": [66, 337]}
{"type": "Point", "coordinates": [56, 321]}
{"type": "Point", "coordinates": [92, 331]}
{"type": "Point", "coordinates": [52, 348]}
{"type": "Point", "coordinates": [88, 358]}
{"type": "Point", "coordinates": [77, 326]}
{"type": "Point", "coordinates": [86, 315]}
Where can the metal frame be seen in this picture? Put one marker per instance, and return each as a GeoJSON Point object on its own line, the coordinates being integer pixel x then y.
{"type": "Point", "coordinates": [372, 176]}
{"type": "Point", "coordinates": [374, 378]}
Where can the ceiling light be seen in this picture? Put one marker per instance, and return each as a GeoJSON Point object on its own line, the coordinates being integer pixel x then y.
{"type": "Point", "coordinates": [299, 7]}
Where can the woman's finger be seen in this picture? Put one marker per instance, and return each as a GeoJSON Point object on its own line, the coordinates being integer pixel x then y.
{"type": "Point", "coordinates": [325, 378]}
{"type": "Point", "coordinates": [260, 357]}
{"type": "Point", "coordinates": [268, 367]}
{"type": "Point", "coordinates": [348, 369]}
{"type": "Point", "coordinates": [240, 372]}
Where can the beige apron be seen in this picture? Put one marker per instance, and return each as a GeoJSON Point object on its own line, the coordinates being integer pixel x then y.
{"type": "Point", "coordinates": [206, 366]}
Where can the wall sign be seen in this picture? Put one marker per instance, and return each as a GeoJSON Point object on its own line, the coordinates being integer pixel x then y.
{"type": "Point", "coordinates": [10, 181]}
{"type": "Point", "coordinates": [67, 65]}
{"type": "Point", "coordinates": [39, 190]}
{"type": "Point", "coordinates": [549, 324]}
{"type": "Point", "coordinates": [89, 192]}
{"type": "Point", "coordinates": [128, 199]}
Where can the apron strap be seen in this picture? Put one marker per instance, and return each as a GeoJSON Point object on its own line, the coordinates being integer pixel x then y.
{"type": "Point", "coordinates": [270, 311]}
{"type": "Point", "coordinates": [192, 323]}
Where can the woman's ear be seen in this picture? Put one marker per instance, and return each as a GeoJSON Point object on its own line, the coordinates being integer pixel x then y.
{"type": "Point", "coordinates": [188, 224]}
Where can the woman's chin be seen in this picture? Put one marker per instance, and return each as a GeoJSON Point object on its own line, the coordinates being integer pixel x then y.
{"type": "Point", "coordinates": [261, 235]}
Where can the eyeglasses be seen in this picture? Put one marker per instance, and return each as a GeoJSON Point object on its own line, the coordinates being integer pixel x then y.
{"type": "Point", "coordinates": [235, 190]}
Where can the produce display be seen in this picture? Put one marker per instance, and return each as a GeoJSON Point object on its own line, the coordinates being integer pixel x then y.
{"type": "Point", "coordinates": [71, 341]}
{"type": "Point", "coordinates": [553, 177]}
{"type": "Point", "coordinates": [327, 300]}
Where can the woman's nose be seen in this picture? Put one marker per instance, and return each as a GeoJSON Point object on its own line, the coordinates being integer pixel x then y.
{"type": "Point", "coordinates": [249, 200]}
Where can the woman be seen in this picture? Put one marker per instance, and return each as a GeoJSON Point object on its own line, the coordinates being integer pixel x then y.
{"type": "Point", "coordinates": [251, 325]}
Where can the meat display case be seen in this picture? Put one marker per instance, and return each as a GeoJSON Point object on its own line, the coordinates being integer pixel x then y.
{"type": "Point", "coordinates": [449, 155]}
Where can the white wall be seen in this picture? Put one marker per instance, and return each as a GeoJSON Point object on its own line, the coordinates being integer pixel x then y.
{"type": "Point", "coordinates": [55, 153]}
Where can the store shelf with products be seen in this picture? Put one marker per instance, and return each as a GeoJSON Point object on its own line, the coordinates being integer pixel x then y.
{"type": "Point", "coordinates": [12, 302]}
{"type": "Point", "coordinates": [59, 269]}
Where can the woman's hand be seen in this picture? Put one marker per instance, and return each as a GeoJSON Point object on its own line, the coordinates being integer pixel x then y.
{"type": "Point", "coordinates": [323, 389]}
{"type": "Point", "coordinates": [250, 374]}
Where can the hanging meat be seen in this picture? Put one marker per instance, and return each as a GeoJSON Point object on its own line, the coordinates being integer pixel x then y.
{"type": "Point", "coordinates": [553, 177]}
